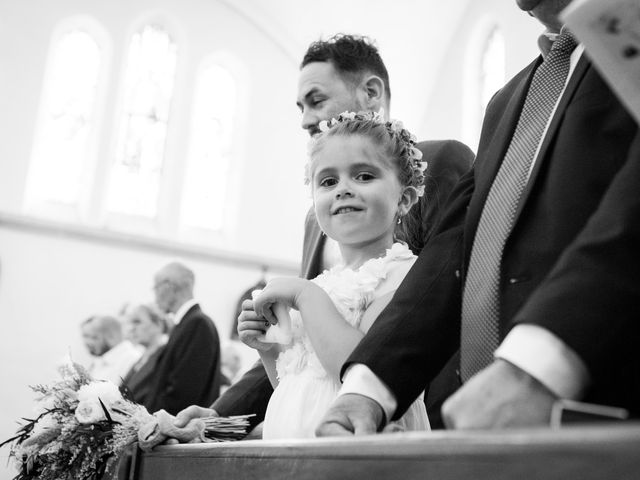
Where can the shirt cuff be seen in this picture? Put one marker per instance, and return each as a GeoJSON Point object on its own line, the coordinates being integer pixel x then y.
{"type": "Point", "coordinates": [546, 358]}
{"type": "Point", "coordinates": [361, 380]}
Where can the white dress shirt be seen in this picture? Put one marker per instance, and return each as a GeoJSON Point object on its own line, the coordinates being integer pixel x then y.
{"type": "Point", "coordinates": [114, 364]}
{"type": "Point", "coordinates": [182, 311]}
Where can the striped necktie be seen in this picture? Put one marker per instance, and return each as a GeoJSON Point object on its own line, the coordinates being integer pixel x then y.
{"type": "Point", "coordinates": [480, 334]}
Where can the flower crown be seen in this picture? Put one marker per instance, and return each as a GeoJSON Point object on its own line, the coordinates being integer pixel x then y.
{"type": "Point", "coordinates": [396, 130]}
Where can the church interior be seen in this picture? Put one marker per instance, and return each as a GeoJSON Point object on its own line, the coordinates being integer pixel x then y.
{"type": "Point", "coordinates": [144, 131]}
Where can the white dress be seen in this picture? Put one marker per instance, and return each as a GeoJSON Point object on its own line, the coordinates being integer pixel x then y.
{"type": "Point", "coordinates": [305, 390]}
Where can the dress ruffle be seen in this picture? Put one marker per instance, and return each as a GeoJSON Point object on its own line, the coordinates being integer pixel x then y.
{"type": "Point", "coordinates": [351, 291]}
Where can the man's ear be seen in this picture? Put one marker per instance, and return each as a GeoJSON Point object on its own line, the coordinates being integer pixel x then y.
{"type": "Point", "coordinates": [375, 91]}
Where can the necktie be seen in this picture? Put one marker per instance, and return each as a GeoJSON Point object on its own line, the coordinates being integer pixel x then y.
{"type": "Point", "coordinates": [480, 301]}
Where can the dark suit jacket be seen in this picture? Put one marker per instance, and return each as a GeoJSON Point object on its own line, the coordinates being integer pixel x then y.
{"type": "Point", "coordinates": [447, 161]}
{"type": "Point", "coordinates": [568, 265]}
{"type": "Point", "coordinates": [137, 384]}
{"type": "Point", "coordinates": [188, 371]}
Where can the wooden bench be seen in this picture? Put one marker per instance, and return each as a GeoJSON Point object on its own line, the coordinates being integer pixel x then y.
{"type": "Point", "coordinates": [604, 452]}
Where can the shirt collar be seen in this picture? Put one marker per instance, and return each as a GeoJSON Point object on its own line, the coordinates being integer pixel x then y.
{"type": "Point", "coordinates": [184, 308]}
{"type": "Point", "coordinates": [545, 41]}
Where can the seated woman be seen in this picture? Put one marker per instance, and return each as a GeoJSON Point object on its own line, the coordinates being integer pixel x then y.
{"type": "Point", "coordinates": [148, 327]}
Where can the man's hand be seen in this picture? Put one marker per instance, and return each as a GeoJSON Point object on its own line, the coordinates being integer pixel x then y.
{"type": "Point", "coordinates": [500, 396]}
{"type": "Point", "coordinates": [351, 414]}
{"type": "Point", "coordinates": [185, 416]}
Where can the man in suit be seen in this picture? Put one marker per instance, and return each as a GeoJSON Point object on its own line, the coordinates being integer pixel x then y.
{"type": "Point", "coordinates": [568, 276]}
{"type": "Point", "coordinates": [347, 73]}
{"type": "Point", "coordinates": [188, 371]}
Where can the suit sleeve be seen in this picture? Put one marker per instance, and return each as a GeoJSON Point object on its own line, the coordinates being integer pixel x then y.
{"type": "Point", "coordinates": [194, 362]}
{"type": "Point", "coordinates": [419, 331]}
{"type": "Point", "coordinates": [448, 161]}
{"type": "Point", "coordinates": [248, 395]}
{"type": "Point", "coordinates": [590, 297]}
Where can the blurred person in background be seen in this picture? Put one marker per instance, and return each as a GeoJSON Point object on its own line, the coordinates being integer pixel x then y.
{"type": "Point", "coordinates": [148, 327]}
{"type": "Point", "coordinates": [188, 371]}
{"type": "Point", "coordinates": [112, 355]}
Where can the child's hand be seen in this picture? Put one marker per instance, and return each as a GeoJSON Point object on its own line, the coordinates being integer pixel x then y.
{"type": "Point", "coordinates": [251, 326]}
{"type": "Point", "coordinates": [285, 290]}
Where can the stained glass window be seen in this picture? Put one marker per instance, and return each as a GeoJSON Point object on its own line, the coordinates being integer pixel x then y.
{"type": "Point", "coordinates": [63, 145]}
{"type": "Point", "coordinates": [136, 172]}
{"type": "Point", "coordinates": [210, 152]}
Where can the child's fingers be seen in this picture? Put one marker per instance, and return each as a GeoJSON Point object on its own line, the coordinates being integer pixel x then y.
{"type": "Point", "coordinates": [247, 304]}
{"type": "Point", "coordinates": [252, 325]}
{"type": "Point", "coordinates": [268, 314]}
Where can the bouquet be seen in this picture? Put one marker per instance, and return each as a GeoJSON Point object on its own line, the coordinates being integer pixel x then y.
{"type": "Point", "coordinates": [84, 425]}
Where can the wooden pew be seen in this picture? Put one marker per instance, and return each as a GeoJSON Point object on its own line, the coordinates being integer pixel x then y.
{"type": "Point", "coordinates": [605, 452]}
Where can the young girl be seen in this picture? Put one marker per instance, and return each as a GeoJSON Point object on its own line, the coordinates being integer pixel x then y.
{"type": "Point", "coordinates": [365, 175]}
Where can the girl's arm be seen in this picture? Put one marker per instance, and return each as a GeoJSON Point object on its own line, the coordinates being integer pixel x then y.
{"type": "Point", "coordinates": [332, 337]}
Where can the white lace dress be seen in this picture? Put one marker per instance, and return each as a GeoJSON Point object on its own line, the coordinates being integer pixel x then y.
{"type": "Point", "coordinates": [305, 390]}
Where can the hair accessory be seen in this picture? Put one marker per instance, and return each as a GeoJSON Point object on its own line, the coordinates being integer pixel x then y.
{"type": "Point", "coordinates": [396, 130]}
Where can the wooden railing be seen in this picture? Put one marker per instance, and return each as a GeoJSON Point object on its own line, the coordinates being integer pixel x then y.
{"type": "Point", "coordinates": [577, 453]}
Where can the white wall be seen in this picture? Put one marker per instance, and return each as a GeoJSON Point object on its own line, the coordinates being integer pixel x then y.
{"type": "Point", "coordinates": [50, 281]}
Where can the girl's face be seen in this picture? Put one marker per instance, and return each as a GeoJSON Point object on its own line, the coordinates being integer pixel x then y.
{"type": "Point", "coordinates": [356, 193]}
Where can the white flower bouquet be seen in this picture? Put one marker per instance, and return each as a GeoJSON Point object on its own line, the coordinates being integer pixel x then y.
{"type": "Point", "coordinates": [84, 425]}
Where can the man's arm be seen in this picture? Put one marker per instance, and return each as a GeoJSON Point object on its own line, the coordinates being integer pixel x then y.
{"type": "Point", "coordinates": [448, 161]}
{"type": "Point", "coordinates": [419, 330]}
{"type": "Point", "coordinates": [589, 301]}
{"type": "Point", "coordinates": [248, 395]}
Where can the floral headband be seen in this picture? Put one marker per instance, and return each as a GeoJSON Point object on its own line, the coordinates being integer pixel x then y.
{"type": "Point", "coordinates": [396, 130]}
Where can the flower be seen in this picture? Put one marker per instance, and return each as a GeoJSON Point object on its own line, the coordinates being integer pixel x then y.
{"type": "Point", "coordinates": [105, 391]}
{"type": "Point", "coordinates": [83, 425]}
{"type": "Point", "coordinates": [88, 411]}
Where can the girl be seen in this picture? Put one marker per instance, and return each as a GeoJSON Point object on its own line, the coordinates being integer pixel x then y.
{"type": "Point", "coordinates": [365, 175]}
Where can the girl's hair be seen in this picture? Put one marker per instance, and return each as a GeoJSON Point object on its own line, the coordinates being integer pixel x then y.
{"type": "Point", "coordinates": [397, 146]}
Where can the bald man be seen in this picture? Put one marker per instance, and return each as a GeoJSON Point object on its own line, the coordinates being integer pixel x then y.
{"type": "Point", "coordinates": [188, 372]}
{"type": "Point", "coordinates": [112, 356]}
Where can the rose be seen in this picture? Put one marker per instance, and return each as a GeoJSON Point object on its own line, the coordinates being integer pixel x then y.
{"type": "Point", "coordinates": [105, 391]}
{"type": "Point", "coordinates": [89, 411]}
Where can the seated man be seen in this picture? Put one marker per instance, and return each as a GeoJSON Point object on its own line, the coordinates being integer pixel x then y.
{"type": "Point", "coordinates": [112, 355]}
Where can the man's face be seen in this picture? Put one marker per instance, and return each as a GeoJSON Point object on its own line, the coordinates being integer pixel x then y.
{"type": "Point", "coordinates": [546, 11]}
{"type": "Point", "coordinates": [323, 94]}
{"type": "Point", "coordinates": [94, 340]}
{"type": "Point", "coordinates": [164, 293]}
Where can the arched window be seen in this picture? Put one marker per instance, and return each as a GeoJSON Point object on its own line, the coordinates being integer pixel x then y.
{"type": "Point", "coordinates": [484, 75]}
{"type": "Point", "coordinates": [147, 91]}
{"type": "Point", "coordinates": [210, 151]}
{"type": "Point", "coordinates": [65, 138]}
{"type": "Point", "coordinates": [492, 67]}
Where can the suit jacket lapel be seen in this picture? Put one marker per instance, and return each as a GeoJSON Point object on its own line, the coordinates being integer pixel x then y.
{"type": "Point", "coordinates": [488, 163]}
{"type": "Point", "coordinates": [569, 92]}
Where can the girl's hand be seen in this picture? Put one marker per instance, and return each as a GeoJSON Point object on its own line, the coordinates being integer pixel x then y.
{"type": "Point", "coordinates": [285, 290]}
{"type": "Point", "coordinates": [251, 326]}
